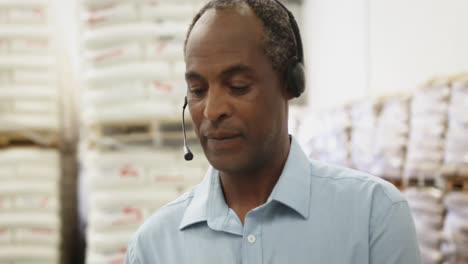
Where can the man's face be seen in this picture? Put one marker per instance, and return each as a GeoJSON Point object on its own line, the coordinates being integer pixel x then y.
{"type": "Point", "coordinates": [236, 100]}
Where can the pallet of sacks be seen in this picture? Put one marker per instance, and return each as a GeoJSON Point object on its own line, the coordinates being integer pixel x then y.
{"type": "Point", "coordinates": [29, 97]}
{"type": "Point", "coordinates": [424, 163]}
{"type": "Point", "coordinates": [132, 56]}
{"type": "Point", "coordinates": [455, 175]}
{"type": "Point", "coordinates": [131, 154]}
{"type": "Point", "coordinates": [364, 116]}
{"type": "Point", "coordinates": [455, 244]}
{"type": "Point", "coordinates": [31, 209]}
{"type": "Point", "coordinates": [379, 134]}
{"type": "Point", "coordinates": [455, 167]}
{"type": "Point", "coordinates": [428, 210]}
{"type": "Point", "coordinates": [30, 205]}
{"type": "Point", "coordinates": [428, 128]}
{"type": "Point", "coordinates": [392, 130]}
{"type": "Point", "coordinates": [159, 131]}
{"type": "Point", "coordinates": [125, 187]}
{"type": "Point", "coordinates": [326, 136]}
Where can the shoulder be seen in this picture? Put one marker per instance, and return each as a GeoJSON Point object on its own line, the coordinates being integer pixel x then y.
{"type": "Point", "coordinates": [371, 205]}
{"type": "Point", "coordinates": [353, 182]}
{"type": "Point", "coordinates": [165, 221]}
{"type": "Point", "coordinates": [167, 218]}
{"type": "Point", "coordinates": [157, 231]}
{"type": "Point", "coordinates": [160, 231]}
{"type": "Point", "coordinates": [372, 196]}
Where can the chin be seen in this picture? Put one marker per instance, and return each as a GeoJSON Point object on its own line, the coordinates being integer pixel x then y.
{"type": "Point", "coordinates": [228, 163]}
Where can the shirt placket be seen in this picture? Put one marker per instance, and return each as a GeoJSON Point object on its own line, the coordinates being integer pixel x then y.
{"type": "Point", "coordinates": [252, 239]}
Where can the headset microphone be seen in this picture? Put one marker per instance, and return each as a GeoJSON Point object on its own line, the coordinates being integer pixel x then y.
{"type": "Point", "coordinates": [188, 155]}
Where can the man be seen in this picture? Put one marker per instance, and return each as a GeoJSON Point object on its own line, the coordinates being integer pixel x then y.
{"type": "Point", "coordinates": [263, 201]}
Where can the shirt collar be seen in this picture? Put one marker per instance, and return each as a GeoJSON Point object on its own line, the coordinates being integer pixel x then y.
{"type": "Point", "coordinates": [292, 189]}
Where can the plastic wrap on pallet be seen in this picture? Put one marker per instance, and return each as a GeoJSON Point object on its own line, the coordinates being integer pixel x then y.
{"type": "Point", "coordinates": [427, 207]}
{"type": "Point", "coordinates": [29, 102]}
{"type": "Point", "coordinates": [325, 136]}
{"type": "Point", "coordinates": [391, 138]}
{"type": "Point", "coordinates": [116, 54]}
{"type": "Point", "coordinates": [455, 245]}
{"type": "Point", "coordinates": [29, 64]}
{"type": "Point", "coordinates": [126, 186]}
{"type": "Point", "coordinates": [105, 258]}
{"type": "Point", "coordinates": [134, 89]}
{"type": "Point", "coordinates": [31, 13]}
{"type": "Point", "coordinates": [29, 204]}
{"type": "Point", "coordinates": [456, 147]}
{"type": "Point", "coordinates": [26, 253]}
{"type": "Point", "coordinates": [429, 116]}
{"type": "Point", "coordinates": [140, 168]}
{"type": "Point", "coordinates": [30, 45]}
{"type": "Point", "coordinates": [154, 11]}
{"type": "Point", "coordinates": [110, 14]}
{"type": "Point", "coordinates": [107, 36]}
{"type": "Point", "coordinates": [364, 116]}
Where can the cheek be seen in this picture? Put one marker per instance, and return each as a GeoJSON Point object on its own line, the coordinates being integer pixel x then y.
{"type": "Point", "coordinates": [196, 115]}
{"type": "Point", "coordinates": [256, 116]}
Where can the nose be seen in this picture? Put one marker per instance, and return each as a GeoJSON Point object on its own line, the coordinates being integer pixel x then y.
{"type": "Point", "coordinates": [217, 107]}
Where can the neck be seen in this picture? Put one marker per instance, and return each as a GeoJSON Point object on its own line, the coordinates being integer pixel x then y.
{"type": "Point", "coordinates": [246, 191]}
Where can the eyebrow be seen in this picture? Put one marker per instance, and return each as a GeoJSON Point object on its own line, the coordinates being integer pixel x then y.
{"type": "Point", "coordinates": [235, 69]}
{"type": "Point", "coordinates": [191, 75]}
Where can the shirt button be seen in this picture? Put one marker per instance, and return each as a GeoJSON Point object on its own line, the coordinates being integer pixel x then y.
{"type": "Point", "coordinates": [251, 239]}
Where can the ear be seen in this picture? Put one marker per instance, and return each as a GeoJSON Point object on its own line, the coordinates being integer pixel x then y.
{"type": "Point", "coordinates": [284, 84]}
{"type": "Point", "coordinates": [296, 79]}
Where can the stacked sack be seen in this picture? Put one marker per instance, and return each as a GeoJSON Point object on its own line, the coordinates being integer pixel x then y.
{"type": "Point", "coordinates": [455, 245]}
{"type": "Point", "coordinates": [133, 58]}
{"type": "Point", "coordinates": [30, 226]}
{"type": "Point", "coordinates": [29, 97]}
{"type": "Point", "coordinates": [427, 207]}
{"type": "Point", "coordinates": [455, 174]}
{"type": "Point", "coordinates": [125, 188]}
{"type": "Point", "coordinates": [456, 146]}
{"type": "Point", "coordinates": [326, 136]}
{"type": "Point", "coordinates": [428, 124]}
{"type": "Point", "coordinates": [131, 146]}
{"type": "Point", "coordinates": [364, 116]}
{"type": "Point", "coordinates": [391, 139]}
{"type": "Point", "coordinates": [424, 163]}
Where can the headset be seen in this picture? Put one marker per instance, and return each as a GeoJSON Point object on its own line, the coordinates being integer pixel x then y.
{"type": "Point", "coordinates": [294, 74]}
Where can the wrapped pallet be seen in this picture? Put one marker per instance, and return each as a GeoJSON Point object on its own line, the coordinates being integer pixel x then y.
{"type": "Point", "coordinates": [30, 205]}
{"type": "Point", "coordinates": [364, 116]}
{"type": "Point", "coordinates": [34, 209]}
{"type": "Point", "coordinates": [455, 245]}
{"type": "Point", "coordinates": [29, 74]}
{"type": "Point", "coordinates": [326, 136]}
{"type": "Point", "coordinates": [455, 175]}
{"type": "Point", "coordinates": [391, 139]}
{"type": "Point", "coordinates": [427, 207]}
{"type": "Point", "coordinates": [131, 155]}
{"type": "Point", "coordinates": [456, 144]}
{"type": "Point", "coordinates": [429, 116]}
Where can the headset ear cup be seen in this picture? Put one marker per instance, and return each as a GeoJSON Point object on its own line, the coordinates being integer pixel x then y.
{"type": "Point", "coordinates": [296, 78]}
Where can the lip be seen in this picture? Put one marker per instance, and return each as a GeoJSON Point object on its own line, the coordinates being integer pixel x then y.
{"type": "Point", "coordinates": [219, 136]}
{"type": "Point", "coordinates": [223, 141]}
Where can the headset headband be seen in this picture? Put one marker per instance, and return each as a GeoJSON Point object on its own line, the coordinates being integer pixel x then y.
{"type": "Point", "coordinates": [296, 32]}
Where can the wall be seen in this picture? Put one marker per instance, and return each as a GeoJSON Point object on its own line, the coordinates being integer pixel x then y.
{"type": "Point", "coordinates": [412, 41]}
{"type": "Point", "coordinates": [363, 48]}
{"type": "Point", "coordinates": [336, 50]}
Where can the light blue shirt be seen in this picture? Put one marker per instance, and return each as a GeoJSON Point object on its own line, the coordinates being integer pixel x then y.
{"type": "Point", "coordinates": [317, 213]}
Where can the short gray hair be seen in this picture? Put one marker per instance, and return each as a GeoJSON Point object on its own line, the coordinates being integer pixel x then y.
{"type": "Point", "coordinates": [278, 41]}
